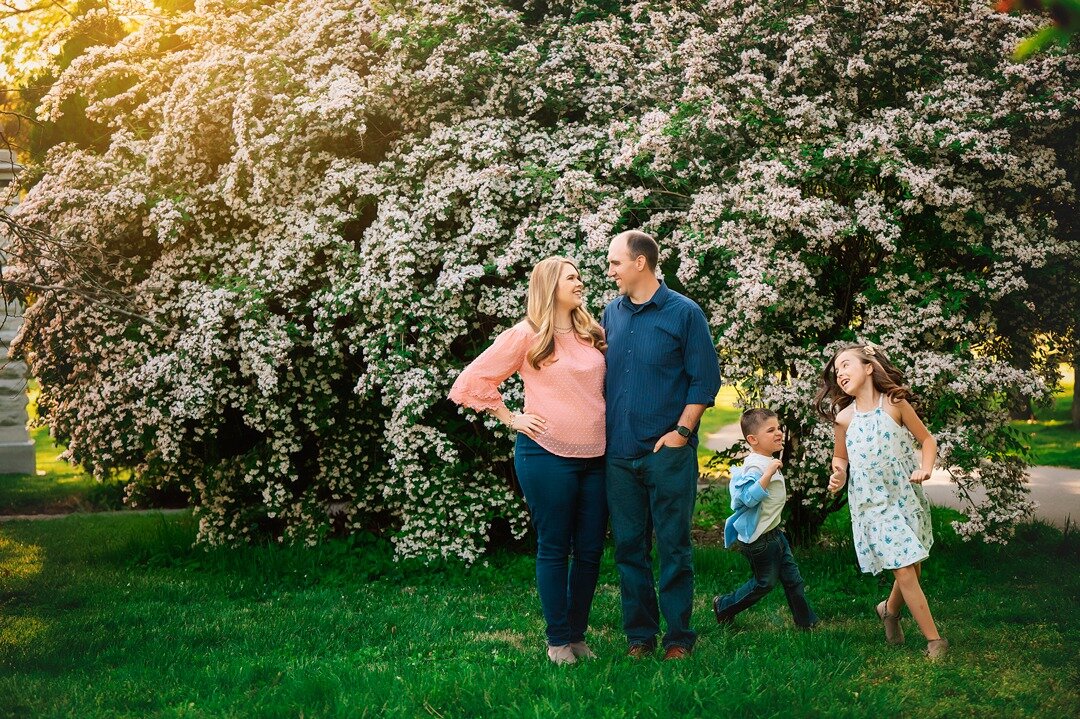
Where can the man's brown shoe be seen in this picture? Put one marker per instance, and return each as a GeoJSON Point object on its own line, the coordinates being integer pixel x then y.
{"type": "Point", "coordinates": [676, 652]}
{"type": "Point", "coordinates": [640, 651]}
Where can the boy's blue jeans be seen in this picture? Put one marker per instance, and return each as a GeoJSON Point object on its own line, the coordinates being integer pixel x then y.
{"type": "Point", "coordinates": [655, 492]}
{"type": "Point", "coordinates": [771, 560]}
{"type": "Point", "coordinates": [569, 510]}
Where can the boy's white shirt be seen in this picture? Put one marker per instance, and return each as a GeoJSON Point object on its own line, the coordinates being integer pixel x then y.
{"type": "Point", "coordinates": [773, 505]}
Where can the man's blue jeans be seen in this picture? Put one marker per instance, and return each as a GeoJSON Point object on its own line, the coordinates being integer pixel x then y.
{"type": "Point", "coordinates": [655, 492]}
{"type": "Point", "coordinates": [770, 559]}
{"type": "Point", "coordinates": [569, 510]}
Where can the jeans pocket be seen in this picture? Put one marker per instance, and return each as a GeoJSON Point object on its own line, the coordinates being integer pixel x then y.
{"type": "Point", "coordinates": [758, 547]}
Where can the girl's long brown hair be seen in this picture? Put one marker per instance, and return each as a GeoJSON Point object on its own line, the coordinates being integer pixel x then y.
{"type": "Point", "coordinates": [543, 284]}
{"type": "Point", "coordinates": [886, 377]}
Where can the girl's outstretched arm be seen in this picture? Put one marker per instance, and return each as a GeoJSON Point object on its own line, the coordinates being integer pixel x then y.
{"type": "Point", "coordinates": [922, 435]}
{"type": "Point", "coordinates": [840, 459]}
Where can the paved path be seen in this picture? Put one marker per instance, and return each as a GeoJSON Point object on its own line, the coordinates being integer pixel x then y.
{"type": "Point", "coordinates": [41, 517]}
{"type": "Point", "coordinates": [1056, 489]}
{"type": "Point", "coordinates": [724, 437]}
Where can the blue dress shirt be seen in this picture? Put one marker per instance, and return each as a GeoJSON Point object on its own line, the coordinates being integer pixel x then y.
{"type": "Point", "coordinates": [660, 358]}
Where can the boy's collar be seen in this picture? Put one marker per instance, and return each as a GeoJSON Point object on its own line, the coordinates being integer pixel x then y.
{"type": "Point", "coordinates": [758, 458]}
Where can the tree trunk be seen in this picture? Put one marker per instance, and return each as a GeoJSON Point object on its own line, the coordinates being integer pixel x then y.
{"type": "Point", "coordinates": [1020, 408]}
{"type": "Point", "coordinates": [1076, 394]}
{"type": "Point", "coordinates": [803, 523]}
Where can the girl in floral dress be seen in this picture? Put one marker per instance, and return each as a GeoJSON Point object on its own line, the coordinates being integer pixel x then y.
{"type": "Point", "coordinates": [865, 397]}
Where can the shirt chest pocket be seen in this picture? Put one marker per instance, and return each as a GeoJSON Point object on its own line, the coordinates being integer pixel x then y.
{"type": "Point", "coordinates": [660, 348]}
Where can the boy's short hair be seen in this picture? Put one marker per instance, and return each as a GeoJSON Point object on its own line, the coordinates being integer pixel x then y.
{"type": "Point", "coordinates": [752, 419]}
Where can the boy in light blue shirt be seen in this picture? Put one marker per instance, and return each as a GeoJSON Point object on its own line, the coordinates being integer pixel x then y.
{"type": "Point", "coordinates": [758, 494]}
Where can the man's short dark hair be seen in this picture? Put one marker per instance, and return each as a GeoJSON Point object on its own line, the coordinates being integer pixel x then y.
{"type": "Point", "coordinates": [752, 419]}
{"type": "Point", "coordinates": [640, 243]}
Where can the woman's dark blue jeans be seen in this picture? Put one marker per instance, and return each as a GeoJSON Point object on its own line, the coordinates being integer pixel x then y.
{"type": "Point", "coordinates": [568, 504]}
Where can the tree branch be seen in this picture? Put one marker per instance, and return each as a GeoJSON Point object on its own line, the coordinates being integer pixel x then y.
{"type": "Point", "coordinates": [92, 290]}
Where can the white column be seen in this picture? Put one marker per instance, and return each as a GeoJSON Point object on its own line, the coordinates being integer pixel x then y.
{"type": "Point", "coordinates": [16, 447]}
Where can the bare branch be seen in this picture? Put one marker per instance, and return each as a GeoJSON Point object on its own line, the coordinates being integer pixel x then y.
{"type": "Point", "coordinates": [13, 113]}
{"type": "Point", "coordinates": [86, 284]}
{"type": "Point", "coordinates": [94, 299]}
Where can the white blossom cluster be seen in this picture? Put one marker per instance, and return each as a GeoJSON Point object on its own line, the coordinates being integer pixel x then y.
{"type": "Point", "coordinates": [324, 208]}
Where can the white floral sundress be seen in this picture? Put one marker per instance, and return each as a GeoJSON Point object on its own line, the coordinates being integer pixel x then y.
{"type": "Point", "coordinates": [890, 516]}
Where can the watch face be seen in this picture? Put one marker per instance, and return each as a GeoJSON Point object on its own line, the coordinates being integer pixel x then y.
{"type": "Point", "coordinates": [683, 431]}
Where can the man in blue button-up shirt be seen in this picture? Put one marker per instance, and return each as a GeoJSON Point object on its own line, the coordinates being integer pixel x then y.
{"type": "Point", "coordinates": [662, 373]}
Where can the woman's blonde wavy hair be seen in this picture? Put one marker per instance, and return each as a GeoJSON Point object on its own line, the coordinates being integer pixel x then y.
{"type": "Point", "coordinates": [543, 284]}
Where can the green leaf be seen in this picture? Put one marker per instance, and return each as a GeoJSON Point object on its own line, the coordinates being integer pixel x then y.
{"type": "Point", "coordinates": [1037, 42]}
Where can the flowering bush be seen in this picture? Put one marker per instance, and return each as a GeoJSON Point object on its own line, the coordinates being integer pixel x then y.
{"type": "Point", "coordinates": [311, 213]}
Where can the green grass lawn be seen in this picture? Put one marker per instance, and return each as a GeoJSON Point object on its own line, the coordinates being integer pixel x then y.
{"type": "Point", "coordinates": [719, 415]}
{"type": "Point", "coordinates": [118, 616]}
{"type": "Point", "coordinates": [1052, 438]}
{"type": "Point", "coordinates": [58, 487]}
{"type": "Point", "coordinates": [722, 413]}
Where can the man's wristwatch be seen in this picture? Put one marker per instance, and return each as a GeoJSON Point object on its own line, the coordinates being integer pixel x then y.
{"type": "Point", "coordinates": [685, 432]}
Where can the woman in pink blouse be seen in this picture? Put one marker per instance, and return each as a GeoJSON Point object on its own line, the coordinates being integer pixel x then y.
{"type": "Point", "coordinates": [559, 453]}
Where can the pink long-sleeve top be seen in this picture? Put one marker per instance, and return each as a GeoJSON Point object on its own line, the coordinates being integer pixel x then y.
{"type": "Point", "coordinates": [568, 393]}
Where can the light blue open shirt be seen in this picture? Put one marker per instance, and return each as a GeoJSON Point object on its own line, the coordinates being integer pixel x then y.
{"type": "Point", "coordinates": [746, 497]}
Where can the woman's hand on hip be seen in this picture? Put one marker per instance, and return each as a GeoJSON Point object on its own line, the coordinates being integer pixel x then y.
{"type": "Point", "coordinates": [531, 425]}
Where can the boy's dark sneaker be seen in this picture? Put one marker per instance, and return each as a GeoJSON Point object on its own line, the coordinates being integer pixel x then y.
{"type": "Point", "coordinates": [721, 619]}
